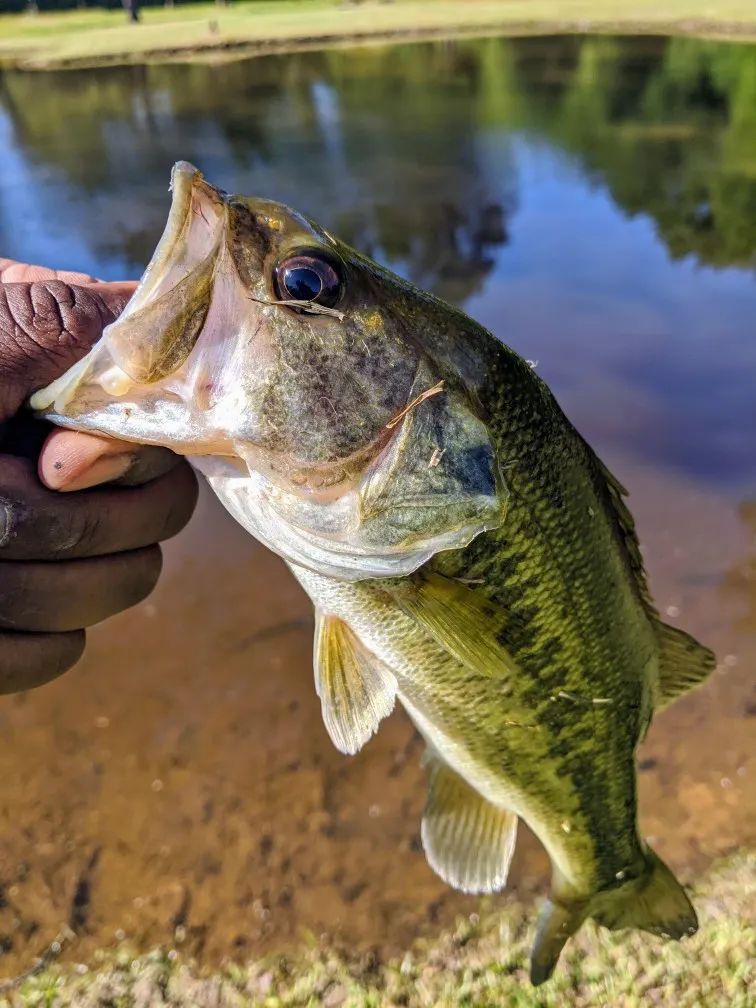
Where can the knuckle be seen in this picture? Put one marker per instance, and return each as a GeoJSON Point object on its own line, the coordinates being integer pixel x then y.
{"type": "Point", "coordinates": [17, 507]}
{"type": "Point", "coordinates": [78, 534]}
{"type": "Point", "coordinates": [36, 523]}
{"type": "Point", "coordinates": [45, 326]}
{"type": "Point", "coordinates": [148, 463]}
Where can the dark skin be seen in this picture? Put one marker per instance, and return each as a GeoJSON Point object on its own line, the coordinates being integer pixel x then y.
{"type": "Point", "coordinates": [69, 559]}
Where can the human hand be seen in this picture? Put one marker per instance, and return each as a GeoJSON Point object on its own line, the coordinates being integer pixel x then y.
{"type": "Point", "coordinates": [68, 561]}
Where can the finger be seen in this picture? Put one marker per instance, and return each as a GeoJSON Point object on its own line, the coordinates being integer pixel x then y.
{"type": "Point", "coordinates": [70, 460]}
{"type": "Point", "coordinates": [28, 660]}
{"type": "Point", "coordinates": [45, 327]}
{"type": "Point", "coordinates": [16, 272]}
{"type": "Point", "coordinates": [45, 597]}
{"type": "Point", "coordinates": [40, 524]}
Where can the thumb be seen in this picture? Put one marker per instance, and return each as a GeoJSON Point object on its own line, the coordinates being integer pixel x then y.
{"type": "Point", "coordinates": [45, 327]}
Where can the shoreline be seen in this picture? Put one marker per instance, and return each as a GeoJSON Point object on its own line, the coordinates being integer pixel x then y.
{"type": "Point", "coordinates": [217, 47]}
{"type": "Point", "coordinates": [482, 960]}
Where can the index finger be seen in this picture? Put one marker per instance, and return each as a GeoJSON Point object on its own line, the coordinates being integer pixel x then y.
{"type": "Point", "coordinates": [41, 524]}
{"type": "Point", "coordinates": [18, 272]}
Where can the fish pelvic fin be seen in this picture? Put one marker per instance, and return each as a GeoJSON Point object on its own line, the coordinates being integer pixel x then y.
{"type": "Point", "coordinates": [683, 663]}
{"type": "Point", "coordinates": [654, 902]}
{"type": "Point", "coordinates": [356, 689]}
{"type": "Point", "coordinates": [468, 841]}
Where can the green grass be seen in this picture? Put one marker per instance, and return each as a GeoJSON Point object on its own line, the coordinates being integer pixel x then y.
{"type": "Point", "coordinates": [481, 963]}
{"type": "Point", "coordinates": [88, 36]}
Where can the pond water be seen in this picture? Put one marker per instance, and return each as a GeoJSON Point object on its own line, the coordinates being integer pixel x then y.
{"type": "Point", "coordinates": [590, 200]}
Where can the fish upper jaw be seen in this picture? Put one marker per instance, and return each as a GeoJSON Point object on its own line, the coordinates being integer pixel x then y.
{"type": "Point", "coordinates": [167, 371]}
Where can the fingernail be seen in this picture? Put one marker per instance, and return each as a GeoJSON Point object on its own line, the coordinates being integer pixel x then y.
{"type": "Point", "coordinates": [105, 469]}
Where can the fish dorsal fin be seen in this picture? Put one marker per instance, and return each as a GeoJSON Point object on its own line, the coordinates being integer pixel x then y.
{"type": "Point", "coordinates": [356, 689]}
{"type": "Point", "coordinates": [463, 621]}
{"type": "Point", "coordinates": [468, 841]}
{"type": "Point", "coordinates": [683, 663]}
{"type": "Point", "coordinates": [625, 525]}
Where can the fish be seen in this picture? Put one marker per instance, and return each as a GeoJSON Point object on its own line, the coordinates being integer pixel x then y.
{"type": "Point", "coordinates": [467, 553]}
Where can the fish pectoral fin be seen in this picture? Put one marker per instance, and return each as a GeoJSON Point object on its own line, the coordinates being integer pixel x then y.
{"type": "Point", "coordinates": [683, 663]}
{"type": "Point", "coordinates": [356, 689]}
{"type": "Point", "coordinates": [468, 841]}
{"type": "Point", "coordinates": [463, 621]}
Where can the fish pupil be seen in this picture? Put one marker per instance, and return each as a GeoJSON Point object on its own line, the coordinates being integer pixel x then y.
{"type": "Point", "coordinates": [303, 283]}
{"type": "Point", "coordinates": [309, 276]}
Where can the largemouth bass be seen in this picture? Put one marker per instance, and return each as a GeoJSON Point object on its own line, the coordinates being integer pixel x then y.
{"type": "Point", "coordinates": [465, 550]}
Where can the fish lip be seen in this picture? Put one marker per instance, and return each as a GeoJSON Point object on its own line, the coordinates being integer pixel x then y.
{"type": "Point", "coordinates": [186, 179]}
{"type": "Point", "coordinates": [187, 182]}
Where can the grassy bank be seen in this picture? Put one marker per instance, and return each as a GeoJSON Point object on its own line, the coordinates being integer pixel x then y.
{"type": "Point", "coordinates": [483, 962]}
{"type": "Point", "coordinates": [91, 37]}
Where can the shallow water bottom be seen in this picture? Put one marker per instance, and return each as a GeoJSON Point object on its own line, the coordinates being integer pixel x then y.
{"type": "Point", "coordinates": [178, 786]}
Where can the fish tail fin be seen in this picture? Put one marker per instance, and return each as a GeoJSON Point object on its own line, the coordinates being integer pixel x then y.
{"type": "Point", "coordinates": [654, 902]}
{"type": "Point", "coordinates": [558, 922]}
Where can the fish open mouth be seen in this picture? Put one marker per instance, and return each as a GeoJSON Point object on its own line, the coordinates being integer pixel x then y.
{"type": "Point", "coordinates": [191, 233]}
{"type": "Point", "coordinates": [161, 323]}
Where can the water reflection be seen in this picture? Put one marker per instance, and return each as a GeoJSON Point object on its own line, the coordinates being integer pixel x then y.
{"type": "Point", "coordinates": [497, 173]}
{"type": "Point", "coordinates": [591, 200]}
{"type": "Point", "coordinates": [739, 585]}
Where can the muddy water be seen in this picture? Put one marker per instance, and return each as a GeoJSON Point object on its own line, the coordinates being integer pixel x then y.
{"type": "Point", "coordinates": [593, 203]}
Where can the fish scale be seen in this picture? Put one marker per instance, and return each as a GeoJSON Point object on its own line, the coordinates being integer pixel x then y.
{"type": "Point", "coordinates": [466, 551]}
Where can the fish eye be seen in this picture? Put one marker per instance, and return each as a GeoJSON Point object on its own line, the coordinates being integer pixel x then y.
{"type": "Point", "coordinates": [309, 276]}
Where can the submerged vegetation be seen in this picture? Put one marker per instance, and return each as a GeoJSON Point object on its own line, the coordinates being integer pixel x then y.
{"type": "Point", "coordinates": [482, 962]}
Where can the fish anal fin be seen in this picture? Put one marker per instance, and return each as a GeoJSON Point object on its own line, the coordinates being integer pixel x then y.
{"type": "Point", "coordinates": [356, 689]}
{"type": "Point", "coordinates": [463, 621]}
{"type": "Point", "coordinates": [683, 663]}
{"type": "Point", "coordinates": [468, 841]}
